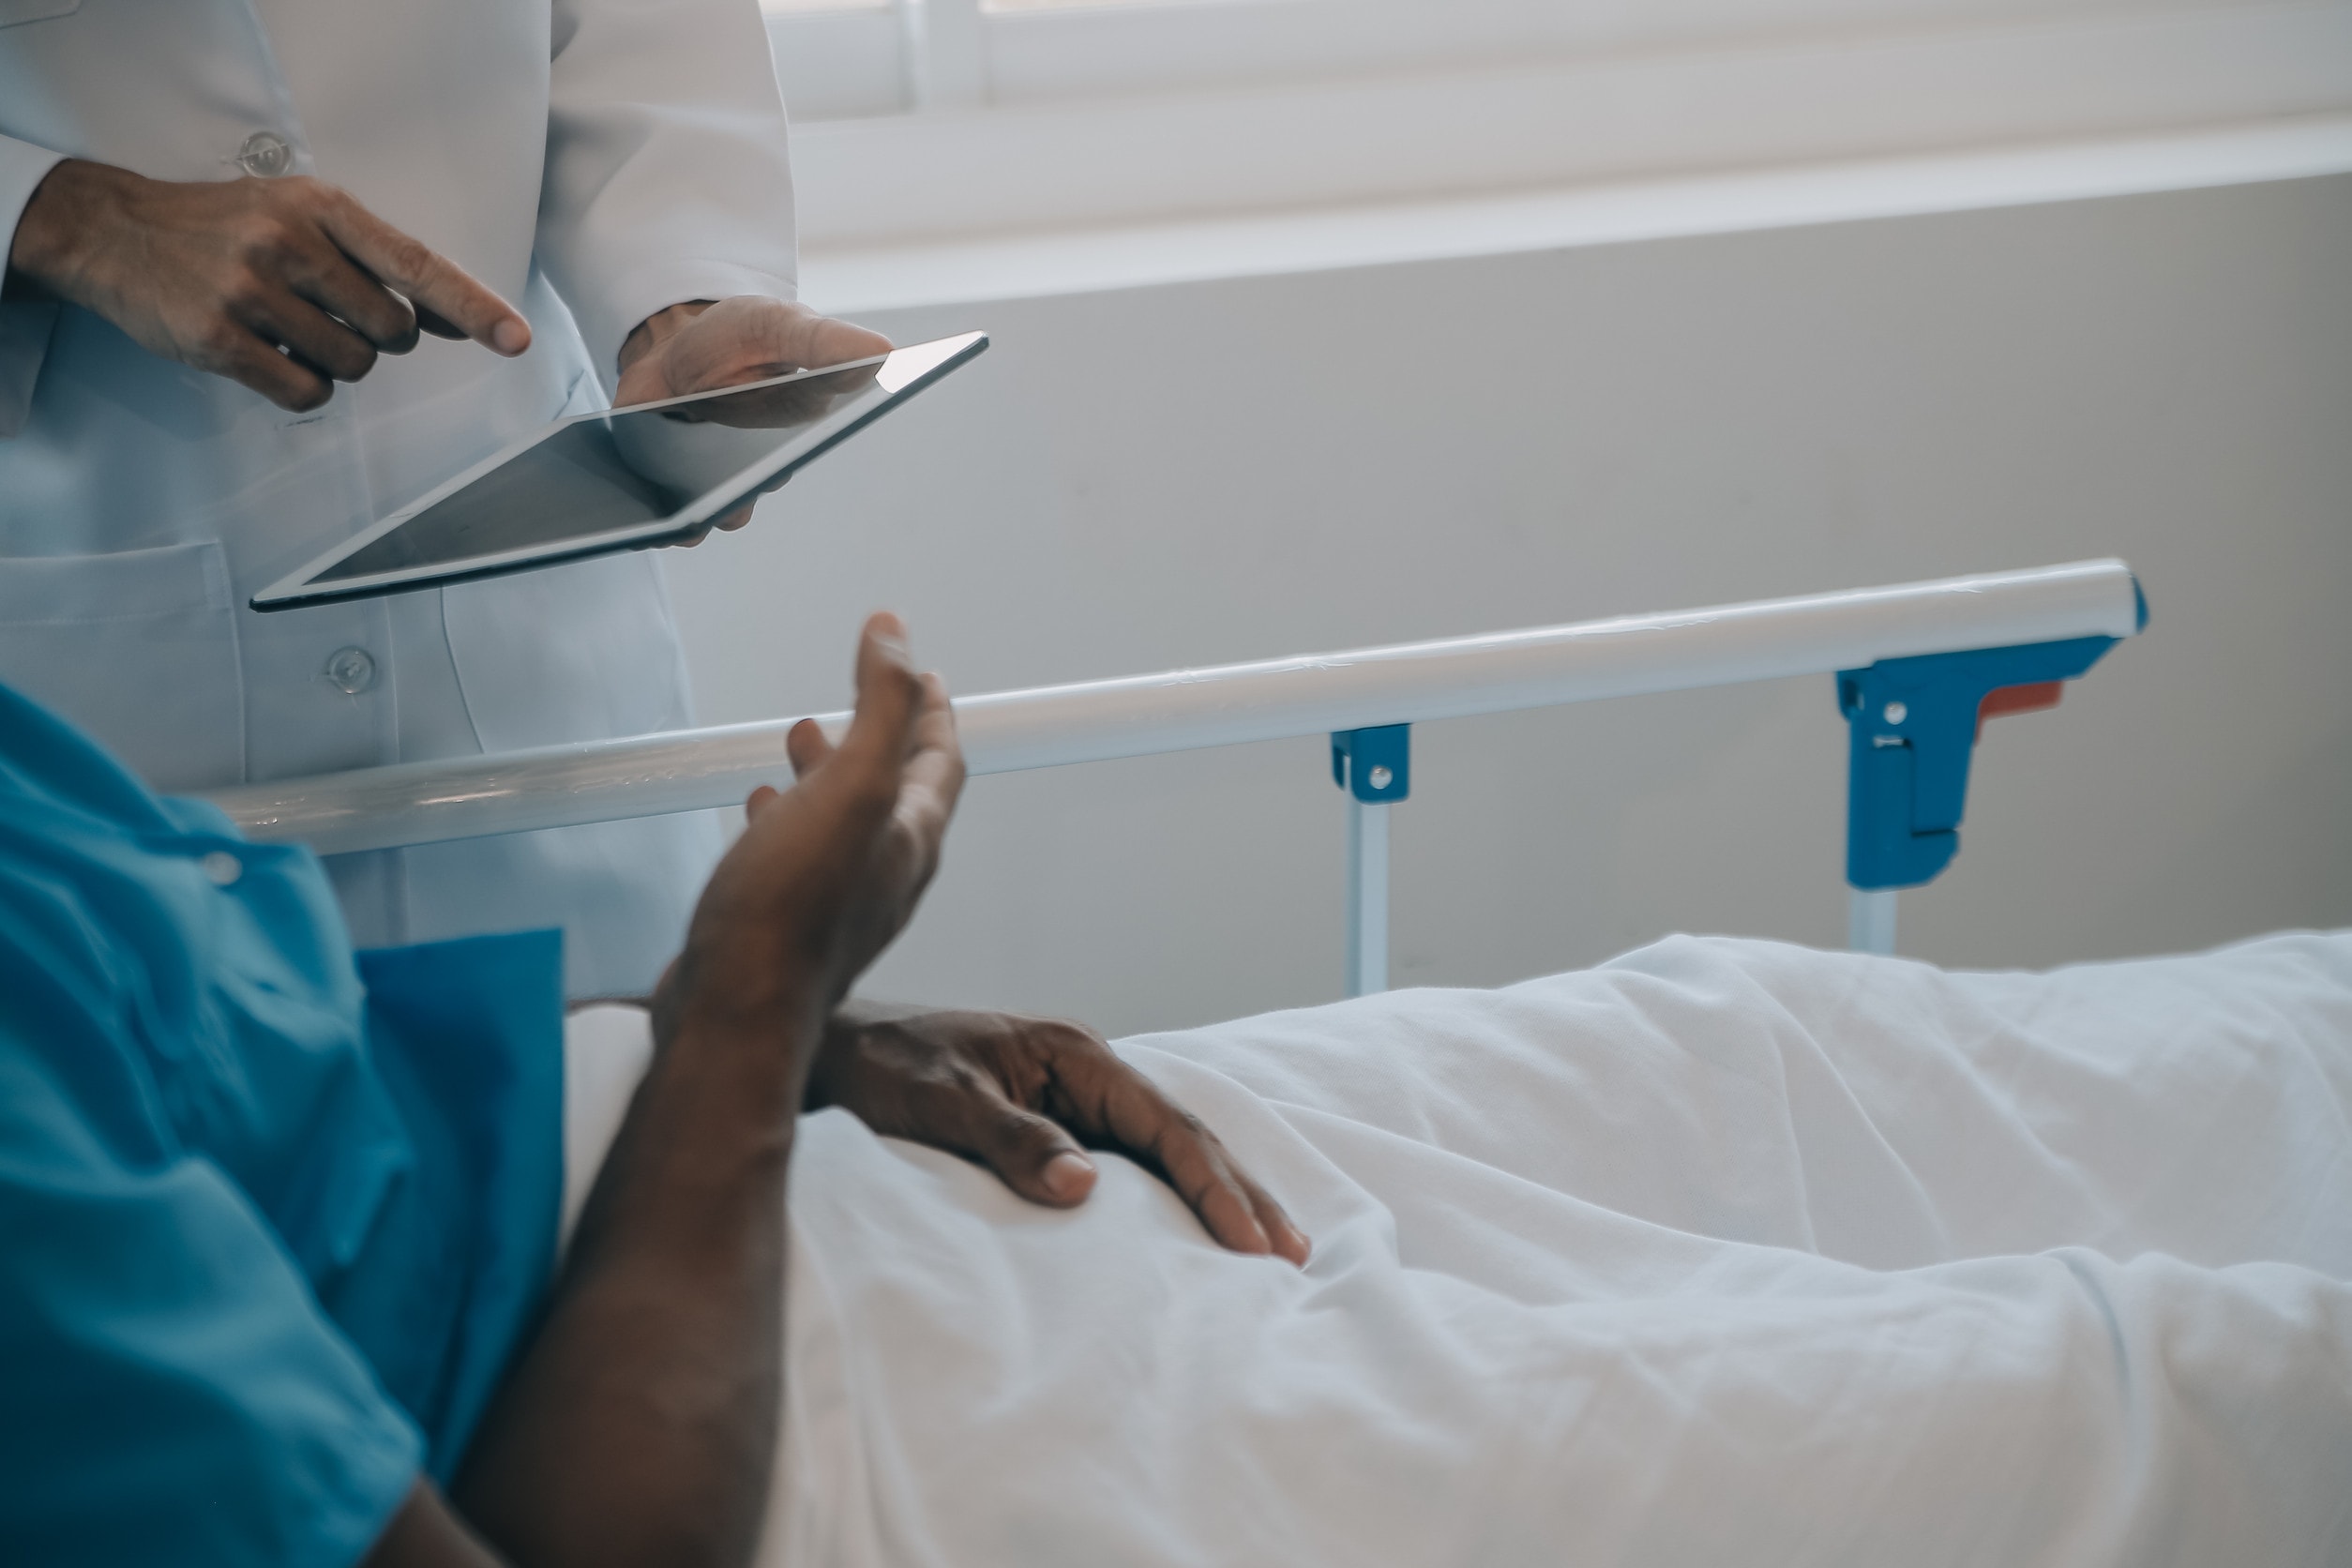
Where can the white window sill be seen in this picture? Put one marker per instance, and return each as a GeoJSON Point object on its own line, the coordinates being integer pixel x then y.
{"type": "Point", "coordinates": [853, 279]}
{"type": "Point", "coordinates": [1037, 197]}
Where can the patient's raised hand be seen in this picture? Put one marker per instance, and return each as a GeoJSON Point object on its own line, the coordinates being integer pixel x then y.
{"type": "Point", "coordinates": [1020, 1095]}
{"type": "Point", "coordinates": [640, 1423]}
{"type": "Point", "coordinates": [827, 873]}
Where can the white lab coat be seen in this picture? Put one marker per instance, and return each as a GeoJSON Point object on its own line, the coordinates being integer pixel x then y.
{"type": "Point", "coordinates": [594, 162]}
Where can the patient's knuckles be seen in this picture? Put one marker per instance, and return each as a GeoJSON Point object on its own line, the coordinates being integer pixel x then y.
{"type": "Point", "coordinates": [954, 1081]}
{"type": "Point", "coordinates": [1079, 1040]}
{"type": "Point", "coordinates": [1032, 1054]}
{"type": "Point", "coordinates": [1026, 1079]}
{"type": "Point", "coordinates": [1069, 1047]}
{"type": "Point", "coordinates": [932, 1106]}
{"type": "Point", "coordinates": [1183, 1127]}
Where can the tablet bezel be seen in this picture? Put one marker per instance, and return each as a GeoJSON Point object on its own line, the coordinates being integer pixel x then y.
{"type": "Point", "coordinates": [920, 363]}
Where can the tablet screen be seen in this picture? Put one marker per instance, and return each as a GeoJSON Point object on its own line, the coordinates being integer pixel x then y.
{"type": "Point", "coordinates": [650, 474]}
{"type": "Point", "coordinates": [604, 472]}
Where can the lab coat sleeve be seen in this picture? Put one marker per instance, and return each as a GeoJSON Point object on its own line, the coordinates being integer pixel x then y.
{"type": "Point", "coordinates": [23, 324]}
{"type": "Point", "coordinates": [668, 174]}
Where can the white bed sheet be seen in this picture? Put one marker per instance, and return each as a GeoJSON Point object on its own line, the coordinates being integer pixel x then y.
{"type": "Point", "coordinates": [1723, 1252]}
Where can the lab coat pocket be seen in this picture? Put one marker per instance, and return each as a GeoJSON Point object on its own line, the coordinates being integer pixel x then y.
{"type": "Point", "coordinates": [14, 11]}
{"type": "Point", "coordinates": [574, 652]}
{"type": "Point", "coordinates": [140, 649]}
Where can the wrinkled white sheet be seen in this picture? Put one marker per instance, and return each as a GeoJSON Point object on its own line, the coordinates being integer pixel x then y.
{"type": "Point", "coordinates": [1723, 1252]}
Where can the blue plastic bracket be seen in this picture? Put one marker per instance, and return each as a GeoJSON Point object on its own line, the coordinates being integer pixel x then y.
{"type": "Point", "coordinates": [1375, 765]}
{"type": "Point", "coordinates": [1912, 725]}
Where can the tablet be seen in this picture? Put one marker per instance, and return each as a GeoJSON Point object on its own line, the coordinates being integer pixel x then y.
{"type": "Point", "coordinates": [652, 473]}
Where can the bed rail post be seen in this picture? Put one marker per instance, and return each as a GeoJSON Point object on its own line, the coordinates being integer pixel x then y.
{"type": "Point", "coordinates": [1375, 766]}
{"type": "Point", "coordinates": [1870, 920]}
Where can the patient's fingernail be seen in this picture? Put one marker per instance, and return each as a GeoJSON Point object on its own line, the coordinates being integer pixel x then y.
{"type": "Point", "coordinates": [1068, 1175]}
{"type": "Point", "coordinates": [510, 337]}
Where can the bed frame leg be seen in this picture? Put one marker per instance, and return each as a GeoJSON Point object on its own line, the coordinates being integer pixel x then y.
{"type": "Point", "coordinates": [1870, 920]}
{"type": "Point", "coordinates": [1375, 766]}
{"type": "Point", "coordinates": [1368, 897]}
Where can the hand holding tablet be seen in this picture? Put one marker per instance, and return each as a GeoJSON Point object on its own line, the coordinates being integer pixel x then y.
{"type": "Point", "coordinates": [656, 473]}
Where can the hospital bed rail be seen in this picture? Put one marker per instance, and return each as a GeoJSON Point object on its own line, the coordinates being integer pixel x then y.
{"type": "Point", "coordinates": [1937, 647]}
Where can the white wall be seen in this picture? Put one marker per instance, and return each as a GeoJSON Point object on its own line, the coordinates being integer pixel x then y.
{"type": "Point", "coordinates": [1292, 463]}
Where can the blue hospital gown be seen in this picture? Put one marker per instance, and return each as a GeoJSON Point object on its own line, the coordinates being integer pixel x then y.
{"type": "Point", "coordinates": [274, 1216]}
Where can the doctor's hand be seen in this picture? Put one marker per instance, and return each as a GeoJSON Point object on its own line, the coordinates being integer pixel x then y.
{"type": "Point", "coordinates": [1020, 1095]}
{"type": "Point", "coordinates": [286, 285]}
{"type": "Point", "coordinates": [701, 344]}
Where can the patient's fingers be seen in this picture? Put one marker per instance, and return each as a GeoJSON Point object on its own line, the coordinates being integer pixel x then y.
{"type": "Point", "coordinates": [1034, 1155]}
{"type": "Point", "coordinates": [862, 774]}
{"type": "Point", "coordinates": [1108, 1098]}
{"type": "Point", "coordinates": [806, 746]}
{"type": "Point", "coordinates": [1284, 1239]}
{"type": "Point", "coordinates": [889, 696]}
{"type": "Point", "coordinates": [1290, 1242]}
{"type": "Point", "coordinates": [935, 772]}
{"type": "Point", "coordinates": [1185, 1151]}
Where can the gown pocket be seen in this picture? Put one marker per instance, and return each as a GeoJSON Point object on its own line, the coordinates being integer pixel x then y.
{"type": "Point", "coordinates": [139, 648]}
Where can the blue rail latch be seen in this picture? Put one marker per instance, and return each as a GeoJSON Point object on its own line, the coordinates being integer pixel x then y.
{"type": "Point", "coordinates": [1912, 725]}
{"type": "Point", "coordinates": [1376, 765]}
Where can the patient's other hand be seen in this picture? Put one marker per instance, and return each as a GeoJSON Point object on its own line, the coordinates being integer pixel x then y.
{"type": "Point", "coordinates": [1010, 1091]}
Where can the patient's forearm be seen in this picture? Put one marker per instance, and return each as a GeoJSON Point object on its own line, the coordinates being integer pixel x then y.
{"type": "Point", "coordinates": [640, 1425]}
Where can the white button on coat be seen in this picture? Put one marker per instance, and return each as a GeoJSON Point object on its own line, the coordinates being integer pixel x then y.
{"type": "Point", "coordinates": [265, 154]}
{"type": "Point", "coordinates": [592, 160]}
{"type": "Point", "coordinates": [352, 670]}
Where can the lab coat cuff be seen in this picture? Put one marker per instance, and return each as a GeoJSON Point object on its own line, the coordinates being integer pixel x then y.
{"type": "Point", "coordinates": [25, 324]}
{"type": "Point", "coordinates": [635, 298]}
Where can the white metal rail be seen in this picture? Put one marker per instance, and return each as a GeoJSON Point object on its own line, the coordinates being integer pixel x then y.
{"type": "Point", "coordinates": [417, 803]}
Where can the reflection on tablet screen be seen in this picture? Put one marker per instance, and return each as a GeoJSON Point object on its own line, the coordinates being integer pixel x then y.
{"type": "Point", "coordinates": [611, 472]}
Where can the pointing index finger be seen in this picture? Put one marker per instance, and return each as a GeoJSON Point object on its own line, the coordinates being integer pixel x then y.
{"type": "Point", "coordinates": [441, 290]}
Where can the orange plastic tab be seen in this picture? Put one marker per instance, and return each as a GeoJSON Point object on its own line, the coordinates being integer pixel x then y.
{"type": "Point", "coordinates": [2017, 700]}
